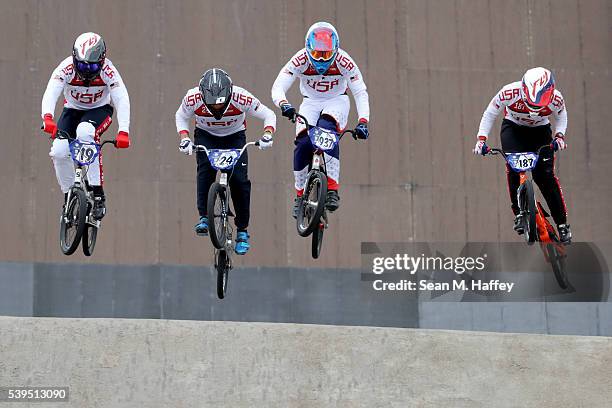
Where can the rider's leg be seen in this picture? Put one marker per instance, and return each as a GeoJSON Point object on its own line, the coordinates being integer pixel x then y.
{"type": "Point", "coordinates": [205, 177]}
{"type": "Point", "coordinates": [93, 124]}
{"type": "Point", "coordinates": [240, 185]}
{"type": "Point", "coordinates": [332, 165]}
{"type": "Point", "coordinates": [513, 140]}
{"type": "Point", "coordinates": [302, 152]}
{"type": "Point", "coordinates": [60, 151]}
{"type": "Point", "coordinates": [334, 117]}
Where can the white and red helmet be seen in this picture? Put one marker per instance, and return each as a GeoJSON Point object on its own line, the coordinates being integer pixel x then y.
{"type": "Point", "coordinates": [88, 55]}
{"type": "Point", "coordinates": [538, 88]}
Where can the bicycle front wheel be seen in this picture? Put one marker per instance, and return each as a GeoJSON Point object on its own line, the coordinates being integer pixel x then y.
{"type": "Point", "coordinates": [312, 203]}
{"type": "Point", "coordinates": [527, 207]}
{"type": "Point", "coordinates": [72, 223]}
{"type": "Point", "coordinates": [90, 233]}
{"type": "Point", "coordinates": [317, 240]}
{"type": "Point", "coordinates": [218, 207]}
{"type": "Point", "coordinates": [557, 263]}
{"type": "Point", "coordinates": [223, 266]}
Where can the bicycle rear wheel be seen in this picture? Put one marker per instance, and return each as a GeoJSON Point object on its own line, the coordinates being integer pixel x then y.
{"type": "Point", "coordinates": [312, 203]}
{"type": "Point", "coordinates": [90, 233]}
{"type": "Point", "coordinates": [217, 207]}
{"type": "Point", "coordinates": [72, 223]}
{"type": "Point", "coordinates": [317, 240]}
{"type": "Point", "coordinates": [223, 266]}
{"type": "Point", "coordinates": [527, 207]}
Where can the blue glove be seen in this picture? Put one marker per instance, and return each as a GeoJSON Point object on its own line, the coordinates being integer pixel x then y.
{"type": "Point", "coordinates": [361, 131]}
{"type": "Point", "coordinates": [287, 110]}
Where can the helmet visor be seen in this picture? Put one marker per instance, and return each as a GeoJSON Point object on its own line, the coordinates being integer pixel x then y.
{"type": "Point", "coordinates": [88, 67]}
{"type": "Point", "coordinates": [319, 55]}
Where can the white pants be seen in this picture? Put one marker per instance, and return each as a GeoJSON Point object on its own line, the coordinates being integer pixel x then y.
{"type": "Point", "coordinates": [338, 108]}
{"type": "Point", "coordinates": [62, 160]}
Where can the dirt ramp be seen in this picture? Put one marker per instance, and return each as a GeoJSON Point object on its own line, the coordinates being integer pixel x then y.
{"type": "Point", "coordinates": [164, 363]}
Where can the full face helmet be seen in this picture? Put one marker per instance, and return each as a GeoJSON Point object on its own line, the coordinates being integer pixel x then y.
{"type": "Point", "coordinates": [537, 89]}
{"type": "Point", "coordinates": [88, 54]}
{"type": "Point", "coordinates": [322, 44]}
{"type": "Point", "coordinates": [216, 89]}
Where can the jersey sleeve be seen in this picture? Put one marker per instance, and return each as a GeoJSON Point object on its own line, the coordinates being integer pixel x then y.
{"type": "Point", "coordinates": [351, 71]}
{"type": "Point", "coordinates": [287, 75]}
{"type": "Point", "coordinates": [184, 114]}
{"type": "Point", "coordinates": [55, 86]}
{"type": "Point", "coordinates": [559, 113]}
{"type": "Point", "coordinates": [249, 104]}
{"type": "Point", "coordinates": [119, 95]}
{"type": "Point", "coordinates": [490, 114]}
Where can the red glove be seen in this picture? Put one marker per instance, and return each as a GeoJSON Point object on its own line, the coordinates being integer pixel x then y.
{"type": "Point", "coordinates": [122, 141]}
{"type": "Point", "coordinates": [49, 125]}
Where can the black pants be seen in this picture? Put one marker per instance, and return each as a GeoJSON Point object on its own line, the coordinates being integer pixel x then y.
{"type": "Point", "coordinates": [100, 118]}
{"type": "Point", "coordinates": [239, 183]}
{"type": "Point", "coordinates": [515, 139]}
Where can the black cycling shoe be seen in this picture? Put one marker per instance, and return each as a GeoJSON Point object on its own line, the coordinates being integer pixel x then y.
{"type": "Point", "coordinates": [333, 201]}
{"type": "Point", "coordinates": [296, 206]}
{"type": "Point", "coordinates": [565, 233]}
{"type": "Point", "coordinates": [518, 224]}
{"type": "Point", "coordinates": [99, 208]}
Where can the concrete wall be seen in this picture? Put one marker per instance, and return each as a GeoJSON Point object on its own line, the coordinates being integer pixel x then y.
{"type": "Point", "coordinates": [143, 363]}
{"type": "Point", "coordinates": [281, 295]}
{"type": "Point", "coordinates": [431, 67]}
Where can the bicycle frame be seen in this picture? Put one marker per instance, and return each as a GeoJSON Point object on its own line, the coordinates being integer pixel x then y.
{"type": "Point", "coordinates": [80, 177]}
{"type": "Point", "coordinates": [545, 231]}
{"type": "Point", "coordinates": [318, 158]}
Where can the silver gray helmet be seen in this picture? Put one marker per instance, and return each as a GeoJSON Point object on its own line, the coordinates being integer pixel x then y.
{"type": "Point", "coordinates": [216, 89]}
{"type": "Point", "coordinates": [88, 55]}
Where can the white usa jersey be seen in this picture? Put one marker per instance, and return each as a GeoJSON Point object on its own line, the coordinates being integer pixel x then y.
{"type": "Point", "coordinates": [82, 95]}
{"type": "Point", "coordinates": [342, 74]}
{"type": "Point", "coordinates": [234, 118]}
{"type": "Point", "coordinates": [510, 101]}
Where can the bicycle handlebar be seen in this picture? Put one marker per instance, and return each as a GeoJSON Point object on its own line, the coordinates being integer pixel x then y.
{"type": "Point", "coordinates": [61, 134]}
{"type": "Point", "coordinates": [203, 148]}
{"type": "Point", "coordinates": [496, 150]}
{"type": "Point", "coordinates": [308, 125]}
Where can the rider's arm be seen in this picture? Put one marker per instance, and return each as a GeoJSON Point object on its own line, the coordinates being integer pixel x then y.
{"type": "Point", "coordinates": [55, 86]}
{"type": "Point", "coordinates": [351, 72]}
{"type": "Point", "coordinates": [281, 85]}
{"type": "Point", "coordinates": [119, 95]}
{"type": "Point", "coordinates": [183, 115]}
{"type": "Point", "coordinates": [490, 114]}
{"type": "Point", "coordinates": [250, 105]}
{"type": "Point", "coordinates": [560, 114]}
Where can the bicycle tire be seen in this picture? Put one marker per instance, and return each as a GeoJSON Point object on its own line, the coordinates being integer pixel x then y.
{"type": "Point", "coordinates": [90, 234]}
{"type": "Point", "coordinates": [527, 206]}
{"type": "Point", "coordinates": [557, 263]}
{"type": "Point", "coordinates": [317, 241]}
{"type": "Point", "coordinates": [218, 207]}
{"type": "Point", "coordinates": [76, 213]}
{"type": "Point", "coordinates": [308, 217]}
{"type": "Point", "coordinates": [223, 266]}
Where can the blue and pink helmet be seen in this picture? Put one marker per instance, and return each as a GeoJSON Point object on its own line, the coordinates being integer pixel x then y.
{"type": "Point", "coordinates": [322, 43]}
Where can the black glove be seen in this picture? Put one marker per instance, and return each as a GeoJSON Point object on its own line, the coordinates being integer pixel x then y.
{"type": "Point", "coordinates": [287, 110]}
{"type": "Point", "coordinates": [361, 131]}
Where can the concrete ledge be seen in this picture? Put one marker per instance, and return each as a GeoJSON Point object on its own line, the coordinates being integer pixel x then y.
{"type": "Point", "coordinates": [162, 363]}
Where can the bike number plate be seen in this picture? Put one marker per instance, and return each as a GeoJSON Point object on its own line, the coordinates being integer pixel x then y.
{"type": "Point", "coordinates": [223, 159]}
{"type": "Point", "coordinates": [323, 139]}
{"type": "Point", "coordinates": [84, 153]}
{"type": "Point", "coordinates": [522, 161]}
